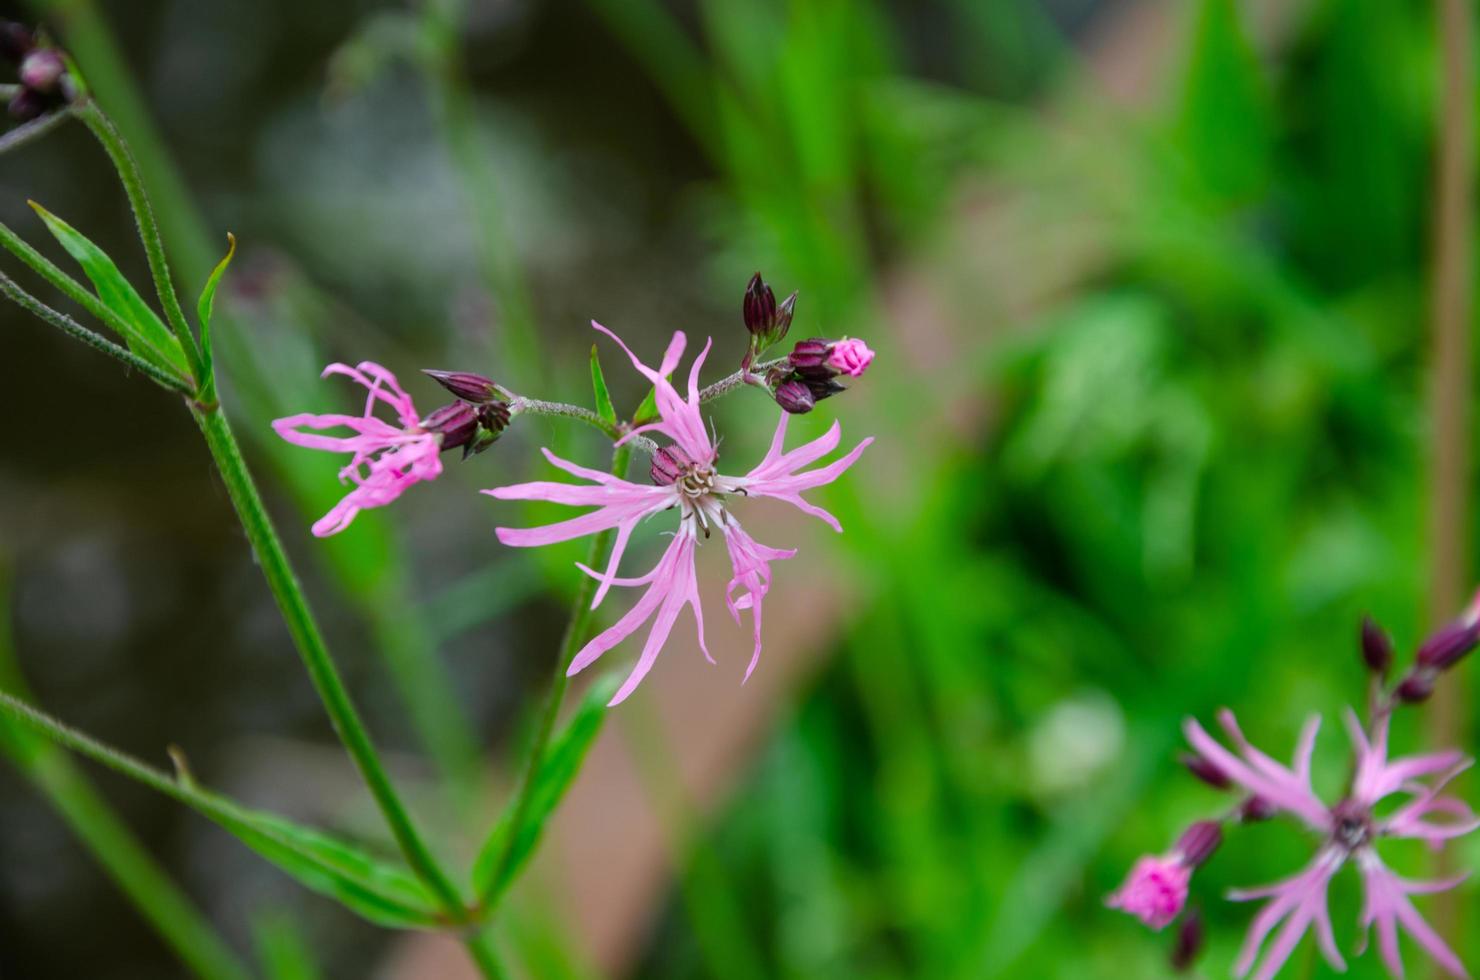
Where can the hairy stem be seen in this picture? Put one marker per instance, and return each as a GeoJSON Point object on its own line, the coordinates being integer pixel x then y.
{"type": "Point", "coordinates": [72, 328]}
{"type": "Point", "coordinates": [133, 185]}
{"type": "Point", "coordinates": [321, 669]}
{"type": "Point", "coordinates": [33, 130]}
{"type": "Point", "coordinates": [575, 633]}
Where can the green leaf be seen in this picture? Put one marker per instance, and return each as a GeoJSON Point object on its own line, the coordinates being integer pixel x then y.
{"type": "Point", "coordinates": [204, 308]}
{"type": "Point", "coordinates": [1224, 126]}
{"type": "Point", "coordinates": [148, 336]}
{"type": "Point", "coordinates": [552, 781]}
{"type": "Point", "coordinates": [386, 894]}
{"type": "Point", "coordinates": [648, 410]}
{"type": "Point", "coordinates": [604, 406]}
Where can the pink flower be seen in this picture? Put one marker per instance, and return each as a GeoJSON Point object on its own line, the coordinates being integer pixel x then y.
{"type": "Point", "coordinates": [1155, 891]}
{"type": "Point", "coordinates": [387, 458]}
{"type": "Point", "coordinates": [850, 357]}
{"type": "Point", "coordinates": [1350, 830]}
{"type": "Point", "coordinates": [685, 479]}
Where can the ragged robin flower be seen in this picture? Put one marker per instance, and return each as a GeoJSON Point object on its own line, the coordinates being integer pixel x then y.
{"type": "Point", "coordinates": [685, 478]}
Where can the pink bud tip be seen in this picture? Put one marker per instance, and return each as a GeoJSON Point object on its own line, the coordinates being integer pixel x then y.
{"type": "Point", "coordinates": [1154, 892]}
{"type": "Point", "coordinates": [850, 357]}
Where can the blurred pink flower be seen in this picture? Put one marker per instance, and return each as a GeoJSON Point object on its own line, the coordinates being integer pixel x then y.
{"type": "Point", "coordinates": [1350, 831]}
{"type": "Point", "coordinates": [851, 357]}
{"type": "Point", "coordinates": [684, 477]}
{"type": "Point", "coordinates": [1154, 891]}
{"type": "Point", "coordinates": [387, 458]}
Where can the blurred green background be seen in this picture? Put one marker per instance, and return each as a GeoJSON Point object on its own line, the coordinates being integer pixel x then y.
{"type": "Point", "coordinates": [1149, 285]}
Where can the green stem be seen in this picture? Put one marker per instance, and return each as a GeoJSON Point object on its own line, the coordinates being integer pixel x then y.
{"type": "Point", "coordinates": [321, 670]}
{"type": "Point", "coordinates": [112, 845]}
{"type": "Point", "coordinates": [133, 185]}
{"type": "Point", "coordinates": [71, 327]}
{"type": "Point", "coordinates": [575, 633]}
{"type": "Point", "coordinates": [480, 947]}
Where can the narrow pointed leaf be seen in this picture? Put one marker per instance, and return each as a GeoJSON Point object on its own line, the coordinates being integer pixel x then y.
{"type": "Point", "coordinates": [604, 406]}
{"type": "Point", "coordinates": [204, 308]}
{"type": "Point", "coordinates": [384, 893]}
{"type": "Point", "coordinates": [493, 873]}
{"type": "Point", "coordinates": [282, 948]}
{"type": "Point", "coordinates": [147, 335]}
{"type": "Point", "coordinates": [648, 410]}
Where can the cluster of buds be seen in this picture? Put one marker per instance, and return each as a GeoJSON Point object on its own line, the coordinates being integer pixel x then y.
{"type": "Point", "coordinates": [473, 422]}
{"type": "Point", "coordinates": [44, 82]}
{"type": "Point", "coordinates": [810, 372]}
{"type": "Point", "coordinates": [1444, 648]}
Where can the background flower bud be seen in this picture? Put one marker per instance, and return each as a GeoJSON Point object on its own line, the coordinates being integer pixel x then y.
{"type": "Point", "coordinates": [26, 105]}
{"type": "Point", "coordinates": [16, 41]}
{"type": "Point", "coordinates": [1189, 944]}
{"type": "Point", "coordinates": [1415, 688]}
{"type": "Point", "coordinates": [795, 397]}
{"type": "Point", "coordinates": [1256, 809]}
{"type": "Point", "coordinates": [42, 69]}
{"type": "Point", "coordinates": [1448, 644]}
{"type": "Point", "coordinates": [1205, 770]}
{"type": "Point", "coordinates": [1377, 647]}
{"type": "Point", "coordinates": [1198, 842]}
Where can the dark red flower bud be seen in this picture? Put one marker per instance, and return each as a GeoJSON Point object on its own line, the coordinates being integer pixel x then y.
{"type": "Point", "coordinates": [795, 397]}
{"type": "Point", "coordinates": [669, 465]}
{"type": "Point", "coordinates": [1377, 647]}
{"type": "Point", "coordinates": [1447, 645]}
{"type": "Point", "coordinates": [766, 321]}
{"type": "Point", "coordinates": [494, 416]}
{"type": "Point", "coordinates": [1415, 688]}
{"type": "Point", "coordinates": [822, 388]}
{"type": "Point", "coordinates": [808, 358]}
{"type": "Point", "coordinates": [42, 69]}
{"type": "Point", "coordinates": [1189, 944]}
{"type": "Point", "coordinates": [1256, 809]}
{"type": "Point", "coordinates": [25, 105]}
{"type": "Point", "coordinates": [456, 424]}
{"type": "Point", "coordinates": [1198, 842]}
{"type": "Point", "coordinates": [469, 387]}
{"type": "Point", "coordinates": [16, 40]}
{"type": "Point", "coordinates": [1205, 770]}
{"type": "Point", "coordinates": [759, 306]}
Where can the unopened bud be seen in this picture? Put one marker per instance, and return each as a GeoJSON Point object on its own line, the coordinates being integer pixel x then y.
{"type": "Point", "coordinates": [1256, 809]}
{"type": "Point", "coordinates": [494, 416]}
{"type": "Point", "coordinates": [1447, 645]}
{"type": "Point", "coordinates": [850, 356]}
{"type": "Point", "coordinates": [822, 388]}
{"type": "Point", "coordinates": [469, 387]}
{"type": "Point", "coordinates": [1205, 770]}
{"type": "Point", "coordinates": [808, 358]}
{"type": "Point", "coordinates": [1198, 842]}
{"type": "Point", "coordinates": [795, 397]}
{"type": "Point", "coordinates": [1415, 688]}
{"type": "Point", "coordinates": [42, 69]}
{"type": "Point", "coordinates": [1189, 943]}
{"type": "Point", "coordinates": [457, 424]}
{"type": "Point", "coordinates": [669, 465]}
{"type": "Point", "coordinates": [766, 321]}
{"type": "Point", "coordinates": [16, 40]}
{"type": "Point", "coordinates": [25, 105]}
{"type": "Point", "coordinates": [1377, 647]}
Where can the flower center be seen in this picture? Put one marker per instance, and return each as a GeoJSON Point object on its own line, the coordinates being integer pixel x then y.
{"type": "Point", "coordinates": [1351, 825]}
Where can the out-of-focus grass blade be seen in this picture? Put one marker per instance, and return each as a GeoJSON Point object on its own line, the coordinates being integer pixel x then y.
{"type": "Point", "coordinates": [604, 406]}
{"type": "Point", "coordinates": [1224, 124]}
{"type": "Point", "coordinates": [283, 951]}
{"type": "Point", "coordinates": [380, 892]}
{"type": "Point", "coordinates": [148, 336]}
{"type": "Point", "coordinates": [559, 770]}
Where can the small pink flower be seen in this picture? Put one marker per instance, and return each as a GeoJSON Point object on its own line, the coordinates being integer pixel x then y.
{"type": "Point", "coordinates": [387, 458]}
{"type": "Point", "coordinates": [850, 357]}
{"type": "Point", "coordinates": [685, 479]}
{"type": "Point", "coordinates": [1155, 891]}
